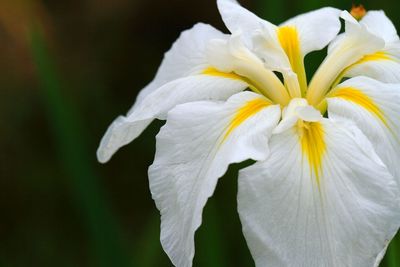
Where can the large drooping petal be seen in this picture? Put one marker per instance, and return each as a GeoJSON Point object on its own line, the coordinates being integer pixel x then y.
{"type": "Point", "coordinates": [323, 198]}
{"type": "Point", "coordinates": [375, 108]}
{"type": "Point", "coordinates": [194, 149]}
{"type": "Point", "coordinates": [185, 75]}
{"type": "Point", "coordinates": [125, 129]}
{"type": "Point", "coordinates": [345, 50]}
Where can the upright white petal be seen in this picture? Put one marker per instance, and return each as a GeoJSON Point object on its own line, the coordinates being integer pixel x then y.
{"type": "Point", "coordinates": [239, 19]}
{"type": "Point", "coordinates": [194, 149]}
{"type": "Point", "coordinates": [374, 107]}
{"type": "Point", "coordinates": [267, 46]}
{"type": "Point", "coordinates": [379, 24]}
{"type": "Point", "coordinates": [284, 48]}
{"type": "Point", "coordinates": [316, 28]}
{"type": "Point", "coordinates": [281, 52]}
{"type": "Point", "coordinates": [344, 216]}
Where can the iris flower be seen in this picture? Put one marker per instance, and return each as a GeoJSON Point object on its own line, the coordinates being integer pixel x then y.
{"type": "Point", "coordinates": [323, 190]}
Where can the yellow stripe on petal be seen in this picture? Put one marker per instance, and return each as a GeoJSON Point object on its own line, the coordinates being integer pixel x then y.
{"type": "Point", "coordinates": [378, 56]}
{"type": "Point", "coordinates": [245, 112]}
{"type": "Point", "coordinates": [230, 75]}
{"type": "Point", "coordinates": [289, 39]}
{"type": "Point", "coordinates": [313, 145]}
{"type": "Point", "coordinates": [361, 99]}
{"type": "Point", "coordinates": [374, 57]}
{"type": "Point", "coordinates": [214, 72]}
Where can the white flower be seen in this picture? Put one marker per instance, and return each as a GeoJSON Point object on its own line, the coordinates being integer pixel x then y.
{"type": "Point", "coordinates": [323, 191]}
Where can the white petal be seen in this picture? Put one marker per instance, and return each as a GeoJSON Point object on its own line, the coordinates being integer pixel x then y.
{"type": "Point", "coordinates": [194, 149]}
{"type": "Point", "coordinates": [232, 55]}
{"type": "Point", "coordinates": [316, 28]}
{"type": "Point", "coordinates": [156, 105]}
{"type": "Point", "coordinates": [289, 115]}
{"type": "Point", "coordinates": [229, 54]}
{"type": "Point", "coordinates": [381, 255]}
{"type": "Point", "coordinates": [290, 110]}
{"type": "Point", "coordinates": [121, 132]}
{"type": "Point", "coordinates": [344, 218]}
{"type": "Point", "coordinates": [186, 57]}
{"type": "Point", "coordinates": [298, 109]}
{"type": "Point", "coordinates": [239, 19]}
{"type": "Point", "coordinates": [374, 107]}
{"type": "Point", "coordinates": [285, 124]}
{"type": "Point", "coordinates": [349, 47]}
{"type": "Point", "coordinates": [358, 38]}
{"type": "Point", "coordinates": [351, 24]}
{"type": "Point", "coordinates": [309, 113]}
{"type": "Point", "coordinates": [284, 48]}
{"type": "Point", "coordinates": [178, 81]}
{"type": "Point", "coordinates": [280, 48]}
{"type": "Point", "coordinates": [393, 49]}
{"type": "Point", "coordinates": [379, 24]}
{"type": "Point", "coordinates": [383, 67]}
{"type": "Point", "coordinates": [267, 46]}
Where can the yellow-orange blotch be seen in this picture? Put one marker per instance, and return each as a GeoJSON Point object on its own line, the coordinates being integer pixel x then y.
{"type": "Point", "coordinates": [313, 146]}
{"type": "Point", "coordinates": [245, 112]}
{"type": "Point", "coordinates": [360, 98]}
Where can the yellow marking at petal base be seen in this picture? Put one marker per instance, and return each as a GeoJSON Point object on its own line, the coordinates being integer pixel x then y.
{"type": "Point", "coordinates": [230, 75]}
{"type": "Point", "coordinates": [377, 56]}
{"type": "Point", "coordinates": [245, 112]}
{"type": "Point", "coordinates": [361, 99]}
{"type": "Point", "coordinates": [313, 145]}
{"type": "Point", "coordinates": [214, 72]}
{"type": "Point", "coordinates": [374, 57]}
{"type": "Point", "coordinates": [289, 39]}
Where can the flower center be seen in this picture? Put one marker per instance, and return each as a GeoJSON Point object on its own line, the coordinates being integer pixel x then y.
{"type": "Point", "coordinates": [306, 120]}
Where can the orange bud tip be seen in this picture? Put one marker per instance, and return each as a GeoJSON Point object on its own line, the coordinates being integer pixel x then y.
{"type": "Point", "coordinates": [358, 11]}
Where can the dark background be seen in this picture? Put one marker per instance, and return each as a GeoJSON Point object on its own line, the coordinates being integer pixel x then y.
{"type": "Point", "coordinates": [67, 69]}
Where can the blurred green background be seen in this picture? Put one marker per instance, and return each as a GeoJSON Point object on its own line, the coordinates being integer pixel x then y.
{"type": "Point", "coordinates": [67, 69]}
